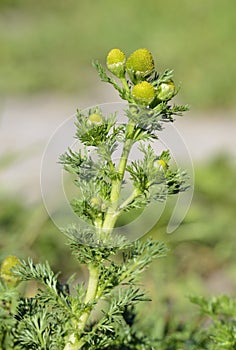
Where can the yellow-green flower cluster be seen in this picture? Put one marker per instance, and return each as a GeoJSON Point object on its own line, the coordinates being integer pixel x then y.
{"type": "Point", "coordinates": [139, 65]}
{"type": "Point", "coordinates": [140, 68]}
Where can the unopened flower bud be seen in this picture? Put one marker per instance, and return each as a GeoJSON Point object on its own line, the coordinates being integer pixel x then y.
{"type": "Point", "coordinates": [116, 62]}
{"type": "Point", "coordinates": [162, 164]}
{"type": "Point", "coordinates": [6, 271]}
{"type": "Point", "coordinates": [96, 202]}
{"type": "Point", "coordinates": [95, 119]}
{"type": "Point", "coordinates": [166, 91]}
{"type": "Point", "coordinates": [140, 65]}
{"type": "Point", "coordinates": [143, 93]}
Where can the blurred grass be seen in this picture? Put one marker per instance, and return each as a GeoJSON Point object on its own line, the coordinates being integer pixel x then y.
{"type": "Point", "coordinates": [202, 259]}
{"type": "Point", "coordinates": [49, 45]}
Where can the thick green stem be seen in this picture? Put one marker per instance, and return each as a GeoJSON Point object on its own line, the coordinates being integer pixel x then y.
{"type": "Point", "coordinates": [73, 343]}
{"type": "Point", "coordinates": [90, 295]}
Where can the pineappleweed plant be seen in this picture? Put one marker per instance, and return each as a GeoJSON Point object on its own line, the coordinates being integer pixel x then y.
{"type": "Point", "coordinates": [101, 315]}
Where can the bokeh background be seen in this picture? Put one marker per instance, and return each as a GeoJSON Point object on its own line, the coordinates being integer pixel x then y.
{"type": "Point", "coordinates": [46, 50]}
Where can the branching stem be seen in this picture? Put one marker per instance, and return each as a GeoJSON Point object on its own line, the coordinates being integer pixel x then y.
{"type": "Point", "coordinates": [113, 213]}
{"type": "Point", "coordinates": [129, 200]}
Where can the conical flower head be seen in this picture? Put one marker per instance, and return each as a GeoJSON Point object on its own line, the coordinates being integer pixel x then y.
{"type": "Point", "coordinates": [143, 93]}
{"type": "Point", "coordinates": [140, 65]}
{"type": "Point", "coordinates": [95, 119]}
{"type": "Point", "coordinates": [116, 62]}
{"type": "Point", "coordinates": [6, 271]}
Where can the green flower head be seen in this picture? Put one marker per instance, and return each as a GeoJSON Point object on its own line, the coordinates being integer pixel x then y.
{"type": "Point", "coordinates": [95, 119]}
{"type": "Point", "coordinates": [96, 202]}
{"type": "Point", "coordinates": [143, 93]}
{"type": "Point", "coordinates": [140, 65]}
{"type": "Point", "coordinates": [6, 271]}
{"type": "Point", "coordinates": [116, 62]}
{"type": "Point", "coordinates": [166, 91]}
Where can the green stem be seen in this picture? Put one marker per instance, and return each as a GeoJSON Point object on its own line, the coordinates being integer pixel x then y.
{"type": "Point", "coordinates": [129, 200]}
{"type": "Point", "coordinates": [125, 84]}
{"type": "Point", "coordinates": [90, 296]}
{"type": "Point", "coordinates": [112, 213]}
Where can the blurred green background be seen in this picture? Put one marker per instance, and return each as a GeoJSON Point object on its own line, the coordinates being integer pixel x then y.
{"type": "Point", "coordinates": [49, 45]}
{"type": "Point", "coordinates": [46, 47]}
